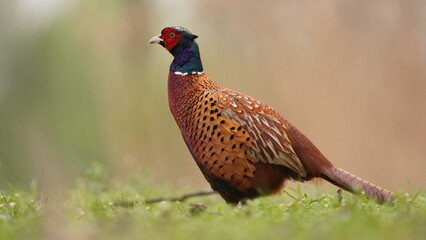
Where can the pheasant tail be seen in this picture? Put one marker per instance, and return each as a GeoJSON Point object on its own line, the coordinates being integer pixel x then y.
{"type": "Point", "coordinates": [352, 183]}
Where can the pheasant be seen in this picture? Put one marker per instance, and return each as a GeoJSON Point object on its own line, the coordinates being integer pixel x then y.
{"type": "Point", "coordinates": [243, 147]}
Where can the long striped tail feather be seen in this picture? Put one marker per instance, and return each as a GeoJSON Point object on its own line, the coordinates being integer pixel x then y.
{"type": "Point", "coordinates": [354, 184]}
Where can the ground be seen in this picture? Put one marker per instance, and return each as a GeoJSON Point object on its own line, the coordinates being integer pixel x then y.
{"type": "Point", "coordinates": [98, 207]}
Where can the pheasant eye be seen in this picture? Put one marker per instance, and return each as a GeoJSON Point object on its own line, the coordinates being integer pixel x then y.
{"type": "Point", "coordinates": [172, 34]}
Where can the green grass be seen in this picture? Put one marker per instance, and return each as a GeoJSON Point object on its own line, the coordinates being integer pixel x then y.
{"type": "Point", "coordinates": [90, 211]}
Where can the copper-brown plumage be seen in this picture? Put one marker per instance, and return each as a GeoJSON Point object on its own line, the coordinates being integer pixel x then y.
{"type": "Point", "coordinates": [243, 147]}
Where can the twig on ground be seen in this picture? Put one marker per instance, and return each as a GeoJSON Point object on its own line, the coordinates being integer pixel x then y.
{"type": "Point", "coordinates": [179, 198]}
{"type": "Point", "coordinates": [289, 194]}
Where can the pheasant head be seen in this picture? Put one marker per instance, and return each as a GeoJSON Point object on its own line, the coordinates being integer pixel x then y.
{"type": "Point", "coordinates": [180, 42]}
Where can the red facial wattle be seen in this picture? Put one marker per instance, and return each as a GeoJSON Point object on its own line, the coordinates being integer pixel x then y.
{"type": "Point", "coordinates": [170, 38]}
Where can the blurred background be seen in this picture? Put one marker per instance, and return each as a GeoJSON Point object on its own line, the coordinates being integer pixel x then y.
{"type": "Point", "coordinates": [79, 84]}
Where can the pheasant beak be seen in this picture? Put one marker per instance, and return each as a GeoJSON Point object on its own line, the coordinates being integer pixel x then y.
{"type": "Point", "coordinates": [155, 39]}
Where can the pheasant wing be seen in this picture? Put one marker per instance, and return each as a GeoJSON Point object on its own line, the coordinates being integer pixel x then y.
{"type": "Point", "coordinates": [270, 141]}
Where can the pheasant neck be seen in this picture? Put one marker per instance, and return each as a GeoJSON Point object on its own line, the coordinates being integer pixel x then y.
{"type": "Point", "coordinates": [186, 59]}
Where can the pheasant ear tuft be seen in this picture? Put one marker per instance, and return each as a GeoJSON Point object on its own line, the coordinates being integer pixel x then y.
{"type": "Point", "coordinates": [194, 37]}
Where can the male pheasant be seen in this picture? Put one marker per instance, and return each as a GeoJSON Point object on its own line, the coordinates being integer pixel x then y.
{"type": "Point", "coordinates": [243, 147]}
